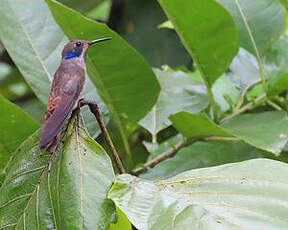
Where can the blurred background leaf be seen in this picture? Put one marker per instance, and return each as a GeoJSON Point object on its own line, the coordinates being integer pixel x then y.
{"type": "Point", "coordinates": [80, 5]}
{"type": "Point", "coordinates": [138, 22]}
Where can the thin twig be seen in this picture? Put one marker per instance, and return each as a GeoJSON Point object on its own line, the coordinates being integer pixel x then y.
{"type": "Point", "coordinates": [169, 153]}
{"type": "Point", "coordinates": [246, 89]}
{"type": "Point", "coordinates": [95, 110]}
{"type": "Point", "coordinates": [216, 138]}
{"type": "Point", "coordinates": [247, 107]}
{"type": "Point", "coordinates": [174, 149]}
{"type": "Point", "coordinates": [274, 105]}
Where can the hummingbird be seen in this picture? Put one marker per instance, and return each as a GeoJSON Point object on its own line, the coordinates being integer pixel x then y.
{"type": "Point", "coordinates": [66, 89]}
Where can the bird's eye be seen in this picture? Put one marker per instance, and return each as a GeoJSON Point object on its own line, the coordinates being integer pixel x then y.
{"type": "Point", "coordinates": [78, 43]}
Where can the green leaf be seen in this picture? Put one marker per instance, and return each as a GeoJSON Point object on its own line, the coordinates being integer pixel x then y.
{"type": "Point", "coordinates": [201, 155]}
{"type": "Point", "coordinates": [244, 69]}
{"type": "Point", "coordinates": [247, 195]}
{"type": "Point", "coordinates": [167, 25]}
{"type": "Point", "coordinates": [5, 69]}
{"type": "Point", "coordinates": [122, 221]}
{"type": "Point", "coordinates": [179, 92]}
{"type": "Point", "coordinates": [265, 18]}
{"type": "Point", "coordinates": [277, 85]}
{"type": "Point", "coordinates": [15, 127]}
{"type": "Point", "coordinates": [101, 11]}
{"type": "Point", "coordinates": [275, 60]}
{"type": "Point", "coordinates": [156, 149]}
{"type": "Point", "coordinates": [193, 125]}
{"type": "Point", "coordinates": [267, 130]}
{"type": "Point", "coordinates": [225, 93]}
{"type": "Point", "coordinates": [276, 56]}
{"type": "Point", "coordinates": [2, 49]}
{"type": "Point", "coordinates": [39, 45]}
{"type": "Point", "coordinates": [65, 190]}
{"type": "Point", "coordinates": [117, 70]}
{"type": "Point", "coordinates": [208, 33]}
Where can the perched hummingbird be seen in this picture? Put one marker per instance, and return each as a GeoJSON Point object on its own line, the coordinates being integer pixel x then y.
{"type": "Point", "coordinates": [65, 92]}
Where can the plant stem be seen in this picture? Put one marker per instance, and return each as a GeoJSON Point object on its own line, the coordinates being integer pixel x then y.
{"type": "Point", "coordinates": [274, 105]}
{"type": "Point", "coordinates": [170, 152]}
{"type": "Point", "coordinates": [213, 103]}
{"type": "Point", "coordinates": [246, 89]}
{"type": "Point", "coordinates": [95, 110]}
{"type": "Point", "coordinates": [247, 107]}
{"type": "Point", "coordinates": [261, 69]}
{"type": "Point", "coordinates": [216, 138]}
{"type": "Point", "coordinates": [173, 150]}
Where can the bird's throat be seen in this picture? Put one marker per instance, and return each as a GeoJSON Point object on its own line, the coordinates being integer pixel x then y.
{"type": "Point", "coordinates": [73, 53]}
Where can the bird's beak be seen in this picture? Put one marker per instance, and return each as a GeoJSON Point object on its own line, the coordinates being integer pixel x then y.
{"type": "Point", "coordinates": [98, 40]}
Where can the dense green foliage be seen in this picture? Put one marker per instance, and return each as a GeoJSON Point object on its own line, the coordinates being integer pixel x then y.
{"type": "Point", "coordinates": [193, 93]}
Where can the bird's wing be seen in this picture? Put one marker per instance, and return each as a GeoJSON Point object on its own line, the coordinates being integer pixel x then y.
{"type": "Point", "coordinates": [62, 107]}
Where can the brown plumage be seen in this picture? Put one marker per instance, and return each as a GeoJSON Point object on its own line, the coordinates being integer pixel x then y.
{"type": "Point", "coordinates": [66, 88]}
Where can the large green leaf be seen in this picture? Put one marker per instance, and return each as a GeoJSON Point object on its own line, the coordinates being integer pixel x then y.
{"type": "Point", "coordinates": [266, 130]}
{"type": "Point", "coordinates": [193, 125]}
{"type": "Point", "coordinates": [65, 190]}
{"type": "Point", "coordinates": [265, 19]}
{"type": "Point", "coordinates": [179, 92]}
{"type": "Point", "coordinates": [39, 44]}
{"type": "Point", "coordinates": [15, 127]}
{"type": "Point", "coordinates": [124, 80]}
{"type": "Point", "coordinates": [247, 195]}
{"type": "Point", "coordinates": [203, 154]}
{"type": "Point", "coordinates": [208, 33]}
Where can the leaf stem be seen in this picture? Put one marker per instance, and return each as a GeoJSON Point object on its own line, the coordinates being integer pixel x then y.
{"type": "Point", "coordinates": [243, 94]}
{"type": "Point", "coordinates": [247, 107]}
{"type": "Point", "coordinates": [213, 103]}
{"type": "Point", "coordinates": [274, 105]}
{"type": "Point", "coordinates": [174, 149]}
{"type": "Point", "coordinates": [261, 69]}
{"type": "Point", "coordinates": [95, 110]}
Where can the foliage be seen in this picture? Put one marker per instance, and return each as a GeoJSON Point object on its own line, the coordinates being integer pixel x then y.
{"type": "Point", "coordinates": [201, 130]}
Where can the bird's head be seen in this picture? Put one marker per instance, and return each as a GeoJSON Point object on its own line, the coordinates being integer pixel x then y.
{"type": "Point", "coordinates": [78, 48]}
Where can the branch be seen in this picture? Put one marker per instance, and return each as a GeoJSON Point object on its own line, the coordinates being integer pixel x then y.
{"type": "Point", "coordinates": [246, 89]}
{"type": "Point", "coordinates": [172, 151]}
{"type": "Point", "coordinates": [247, 107]}
{"type": "Point", "coordinates": [95, 110]}
{"type": "Point", "coordinates": [169, 153]}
